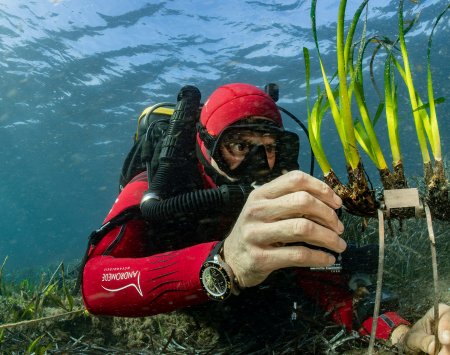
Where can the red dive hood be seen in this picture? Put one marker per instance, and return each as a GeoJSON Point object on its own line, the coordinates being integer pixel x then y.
{"type": "Point", "coordinates": [231, 103]}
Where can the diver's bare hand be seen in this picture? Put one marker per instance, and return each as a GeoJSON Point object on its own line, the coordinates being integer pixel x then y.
{"type": "Point", "coordinates": [293, 208]}
{"type": "Point", "coordinates": [420, 338]}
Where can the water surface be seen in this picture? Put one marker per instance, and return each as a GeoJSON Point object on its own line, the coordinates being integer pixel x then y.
{"type": "Point", "coordinates": [75, 75]}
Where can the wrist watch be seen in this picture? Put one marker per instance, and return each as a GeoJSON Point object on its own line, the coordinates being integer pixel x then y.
{"type": "Point", "coordinates": [216, 276]}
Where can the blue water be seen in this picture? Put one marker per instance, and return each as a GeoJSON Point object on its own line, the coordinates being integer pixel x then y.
{"type": "Point", "coordinates": [76, 74]}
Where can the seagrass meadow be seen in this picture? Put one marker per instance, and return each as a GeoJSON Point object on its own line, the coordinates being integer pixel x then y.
{"type": "Point", "coordinates": [44, 314]}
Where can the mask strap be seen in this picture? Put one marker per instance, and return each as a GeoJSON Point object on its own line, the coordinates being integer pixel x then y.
{"type": "Point", "coordinates": [208, 140]}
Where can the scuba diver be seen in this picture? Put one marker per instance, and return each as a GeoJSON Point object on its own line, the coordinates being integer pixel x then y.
{"type": "Point", "coordinates": [220, 220]}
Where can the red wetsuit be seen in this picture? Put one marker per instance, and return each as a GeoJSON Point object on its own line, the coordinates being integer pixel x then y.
{"type": "Point", "coordinates": [124, 277]}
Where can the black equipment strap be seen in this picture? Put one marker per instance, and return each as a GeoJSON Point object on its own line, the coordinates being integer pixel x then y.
{"type": "Point", "coordinates": [123, 217]}
{"type": "Point", "coordinates": [96, 236]}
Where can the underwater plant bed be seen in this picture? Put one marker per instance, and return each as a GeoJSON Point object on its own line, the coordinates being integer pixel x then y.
{"type": "Point", "coordinates": [264, 327]}
{"type": "Point", "coordinates": [343, 99]}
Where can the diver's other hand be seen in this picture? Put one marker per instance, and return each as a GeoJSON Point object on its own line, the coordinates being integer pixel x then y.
{"type": "Point", "coordinates": [292, 208]}
{"type": "Point", "coordinates": [421, 335]}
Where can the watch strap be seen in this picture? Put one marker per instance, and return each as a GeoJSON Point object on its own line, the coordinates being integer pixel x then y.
{"type": "Point", "coordinates": [215, 251]}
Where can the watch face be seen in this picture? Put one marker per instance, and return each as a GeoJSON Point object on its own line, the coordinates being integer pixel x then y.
{"type": "Point", "coordinates": [215, 281]}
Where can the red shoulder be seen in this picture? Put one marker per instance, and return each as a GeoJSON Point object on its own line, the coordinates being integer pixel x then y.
{"type": "Point", "coordinates": [130, 196]}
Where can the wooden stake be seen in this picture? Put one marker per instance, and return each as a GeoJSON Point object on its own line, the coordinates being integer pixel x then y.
{"type": "Point", "coordinates": [376, 310]}
{"type": "Point", "coordinates": [435, 277]}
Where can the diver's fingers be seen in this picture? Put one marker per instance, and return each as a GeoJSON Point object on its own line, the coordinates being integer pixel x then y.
{"type": "Point", "coordinates": [421, 337]}
{"type": "Point", "coordinates": [295, 256]}
{"type": "Point", "coordinates": [444, 329]}
{"type": "Point", "coordinates": [299, 204]}
{"type": "Point", "coordinates": [297, 230]}
{"type": "Point", "coordinates": [296, 180]}
{"type": "Point", "coordinates": [419, 340]}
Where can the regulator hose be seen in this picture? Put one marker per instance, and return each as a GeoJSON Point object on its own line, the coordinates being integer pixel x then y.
{"type": "Point", "coordinates": [196, 204]}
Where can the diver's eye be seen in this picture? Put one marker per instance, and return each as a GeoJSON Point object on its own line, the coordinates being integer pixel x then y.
{"type": "Point", "coordinates": [239, 148]}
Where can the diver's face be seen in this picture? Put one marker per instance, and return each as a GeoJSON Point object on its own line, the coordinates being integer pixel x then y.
{"type": "Point", "coordinates": [236, 145]}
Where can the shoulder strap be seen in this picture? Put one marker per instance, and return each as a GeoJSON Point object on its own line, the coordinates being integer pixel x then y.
{"type": "Point", "coordinates": [123, 217]}
{"type": "Point", "coordinates": [96, 236]}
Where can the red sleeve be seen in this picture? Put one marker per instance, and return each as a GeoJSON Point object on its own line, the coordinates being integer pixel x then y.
{"type": "Point", "coordinates": [135, 287]}
{"type": "Point", "coordinates": [121, 279]}
{"type": "Point", "coordinates": [331, 292]}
